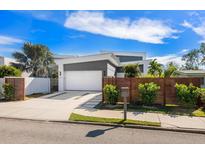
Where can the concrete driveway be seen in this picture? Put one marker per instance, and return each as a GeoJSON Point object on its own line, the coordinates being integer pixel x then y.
{"type": "Point", "coordinates": [57, 106]}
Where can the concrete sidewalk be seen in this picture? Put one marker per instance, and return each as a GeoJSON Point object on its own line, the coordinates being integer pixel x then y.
{"type": "Point", "coordinates": [167, 121]}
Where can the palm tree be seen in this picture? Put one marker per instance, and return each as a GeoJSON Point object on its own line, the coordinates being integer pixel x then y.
{"type": "Point", "coordinates": [171, 70]}
{"type": "Point", "coordinates": [34, 58]}
{"type": "Point", "coordinates": [155, 68]}
{"type": "Point", "coordinates": [132, 70]}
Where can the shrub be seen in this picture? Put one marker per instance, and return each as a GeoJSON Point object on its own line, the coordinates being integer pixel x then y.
{"type": "Point", "coordinates": [8, 91]}
{"type": "Point", "coordinates": [9, 71]}
{"type": "Point", "coordinates": [111, 93]}
{"type": "Point", "coordinates": [187, 94]}
{"type": "Point", "coordinates": [132, 70]}
{"type": "Point", "coordinates": [202, 95]}
{"type": "Point", "coordinates": [148, 92]}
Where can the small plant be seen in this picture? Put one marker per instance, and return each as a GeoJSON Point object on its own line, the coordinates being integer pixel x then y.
{"type": "Point", "coordinates": [202, 95]}
{"type": "Point", "coordinates": [111, 93]}
{"type": "Point", "coordinates": [187, 94]}
{"type": "Point", "coordinates": [148, 92]}
{"type": "Point", "coordinates": [8, 91]}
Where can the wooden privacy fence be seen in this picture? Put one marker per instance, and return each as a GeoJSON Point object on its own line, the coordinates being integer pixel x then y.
{"type": "Point", "coordinates": [166, 94]}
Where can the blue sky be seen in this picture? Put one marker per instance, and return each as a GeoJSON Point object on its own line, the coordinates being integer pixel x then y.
{"type": "Point", "coordinates": [165, 35]}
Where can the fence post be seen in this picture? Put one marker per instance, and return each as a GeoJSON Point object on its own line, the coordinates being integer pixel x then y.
{"type": "Point", "coordinates": [164, 99]}
{"type": "Point", "coordinates": [102, 89]}
{"type": "Point", "coordinates": [130, 92]}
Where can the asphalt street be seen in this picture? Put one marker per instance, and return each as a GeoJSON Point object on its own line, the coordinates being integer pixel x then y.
{"type": "Point", "coordinates": [25, 131]}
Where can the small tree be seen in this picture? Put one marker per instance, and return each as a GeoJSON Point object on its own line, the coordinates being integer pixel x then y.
{"type": "Point", "coordinates": [132, 70]}
{"type": "Point", "coordinates": [9, 71]}
{"type": "Point", "coordinates": [148, 92]}
{"type": "Point", "coordinates": [111, 93]}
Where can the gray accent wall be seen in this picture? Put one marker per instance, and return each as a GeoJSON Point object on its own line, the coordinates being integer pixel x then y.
{"type": "Point", "coordinates": [88, 66]}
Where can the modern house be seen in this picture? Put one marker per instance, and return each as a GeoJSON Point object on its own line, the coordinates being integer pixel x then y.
{"type": "Point", "coordinates": [86, 72]}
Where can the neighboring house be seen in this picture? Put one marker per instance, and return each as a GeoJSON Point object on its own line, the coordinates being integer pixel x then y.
{"type": "Point", "coordinates": [6, 61]}
{"type": "Point", "coordinates": [9, 61]}
{"type": "Point", "coordinates": [192, 73]}
{"type": "Point", "coordinates": [86, 72]}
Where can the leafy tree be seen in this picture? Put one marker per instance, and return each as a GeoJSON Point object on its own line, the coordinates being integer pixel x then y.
{"type": "Point", "coordinates": [202, 53]}
{"type": "Point", "coordinates": [192, 60]}
{"type": "Point", "coordinates": [132, 70]}
{"type": "Point", "coordinates": [34, 58]}
{"type": "Point", "coordinates": [155, 68]}
{"type": "Point", "coordinates": [170, 70]}
{"type": "Point", "coordinates": [9, 71]}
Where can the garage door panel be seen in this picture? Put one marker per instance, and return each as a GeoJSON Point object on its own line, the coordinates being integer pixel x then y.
{"type": "Point", "coordinates": [83, 80]}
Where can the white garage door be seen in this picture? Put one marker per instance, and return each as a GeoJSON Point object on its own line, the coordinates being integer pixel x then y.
{"type": "Point", "coordinates": [83, 80]}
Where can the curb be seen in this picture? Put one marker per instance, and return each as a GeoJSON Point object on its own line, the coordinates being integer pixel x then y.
{"type": "Point", "coordinates": [184, 130]}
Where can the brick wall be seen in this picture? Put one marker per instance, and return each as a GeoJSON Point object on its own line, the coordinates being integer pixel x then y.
{"type": "Point", "coordinates": [19, 86]}
{"type": "Point", "coordinates": [166, 94]}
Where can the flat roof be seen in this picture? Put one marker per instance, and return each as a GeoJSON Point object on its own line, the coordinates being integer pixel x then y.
{"type": "Point", "coordinates": [192, 71]}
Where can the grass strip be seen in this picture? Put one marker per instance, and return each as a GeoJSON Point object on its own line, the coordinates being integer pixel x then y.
{"type": "Point", "coordinates": [78, 117]}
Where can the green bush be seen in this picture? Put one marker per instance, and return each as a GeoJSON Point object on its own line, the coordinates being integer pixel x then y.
{"type": "Point", "coordinates": [187, 94]}
{"type": "Point", "coordinates": [148, 92]}
{"type": "Point", "coordinates": [111, 93]}
{"type": "Point", "coordinates": [8, 91]}
{"type": "Point", "coordinates": [202, 95]}
{"type": "Point", "coordinates": [9, 71]}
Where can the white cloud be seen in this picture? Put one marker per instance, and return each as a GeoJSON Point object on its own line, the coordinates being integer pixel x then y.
{"type": "Point", "coordinates": [143, 29]}
{"type": "Point", "coordinates": [199, 29]}
{"type": "Point", "coordinates": [5, 40]}
{"type": "Point", "coordinates": [169, 58]}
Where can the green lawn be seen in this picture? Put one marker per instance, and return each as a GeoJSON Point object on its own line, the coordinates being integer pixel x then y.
{"type": "Point", "coordinates": [78, 117]}
{"type": "Point", "coordinates": [168, 109]}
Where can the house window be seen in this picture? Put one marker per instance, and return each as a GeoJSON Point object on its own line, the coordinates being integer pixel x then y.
{"type": "Point", "coordinates": [129, 58]}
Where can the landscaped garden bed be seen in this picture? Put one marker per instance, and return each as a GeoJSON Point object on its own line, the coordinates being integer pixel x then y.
{"type": "Point", "coordinates": [186, 95]}
{"type": "Point", "coordinates": [167, 109]}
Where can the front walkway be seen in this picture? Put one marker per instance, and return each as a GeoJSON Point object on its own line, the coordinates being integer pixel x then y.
{"type": "Point", "coordinates": [167, 121]}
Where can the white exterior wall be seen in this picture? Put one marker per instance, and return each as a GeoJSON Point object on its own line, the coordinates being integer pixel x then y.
{"type": "Point", "coordinates": [37, 85]}
{"type": "Point", "coordinates": [110, 70]}
{"type": "Point", "coordinates": [61, 77]}
{"type": "Point", "coordinates": [1, 86]}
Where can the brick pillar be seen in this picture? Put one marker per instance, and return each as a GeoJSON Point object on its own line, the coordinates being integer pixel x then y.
{"type": "Point", "coordinates": [19, 87]}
